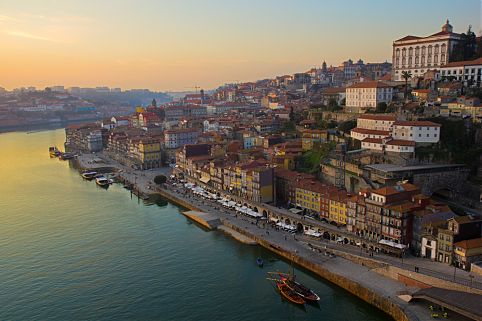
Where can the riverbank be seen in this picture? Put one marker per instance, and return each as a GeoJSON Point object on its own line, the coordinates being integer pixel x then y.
{"type": "Point", "coordinates": [324, 267]}
{"type": "Point", "coordinates": [359, 276]}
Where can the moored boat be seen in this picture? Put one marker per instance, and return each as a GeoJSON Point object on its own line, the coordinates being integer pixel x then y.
{"type": "Point", "coordinates": [259, 262]}
{"type": "Point", "coordinates": [66, 156]}
{"type": "Point", "coordinates": [102, 181]}
{"type": "Point", "coordinates": [289, 294]}
{"type": "Point", "coordinates": [54, 151]}
{"type": "Point", "coordinates": [303, 291]}
{"type": "Point", "coordinates": [89, 175]}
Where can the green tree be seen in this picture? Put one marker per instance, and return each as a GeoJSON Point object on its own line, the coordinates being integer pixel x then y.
{"type": "Point", "coordinates": [288, 126]}
{"type": "Point", "coordinates": [160, 179]}
{"type": "Point", "coordinates": [466, 48]}
{"type": "Point", "coordinates": [406, 75]}
{"type": "Point", "coordinates": [346, 126]}
{"type": "Point", "coordinates": [381, 108]}
{"type": "Point", "coordinates": [333, 105]}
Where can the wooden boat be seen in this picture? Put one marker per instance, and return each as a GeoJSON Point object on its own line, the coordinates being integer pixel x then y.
{"type": "Point", "coordinates": [54, 151]}
{"type": "Point", "coordinates": [89, 175]}
{"type": "Point", "coordinates": [289, 294]}
{"type": "Point", "coordinates": [303, 291]}
{"type": "Point", "coordinates": [102, 181]}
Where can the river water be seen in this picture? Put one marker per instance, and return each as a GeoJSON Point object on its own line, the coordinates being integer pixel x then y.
{"type": "Point", "coordinates": [70, 250]}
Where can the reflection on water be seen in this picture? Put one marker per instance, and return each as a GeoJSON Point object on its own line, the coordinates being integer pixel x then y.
{"type": "Point", "coordinates": [70, 250]}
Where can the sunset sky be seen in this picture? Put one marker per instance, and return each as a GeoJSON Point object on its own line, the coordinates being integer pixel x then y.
{"type": "Point", "coordinates": [175, 45]}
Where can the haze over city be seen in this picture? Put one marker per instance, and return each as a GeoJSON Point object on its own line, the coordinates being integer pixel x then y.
{"type": "Point", "coordinates": [176, 45]}
{"type": "Point", "coordinates": [275, 160]}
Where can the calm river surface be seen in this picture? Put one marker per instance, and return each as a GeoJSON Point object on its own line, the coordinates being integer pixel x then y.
{"type": "Point", "coordinates": [72, 251]}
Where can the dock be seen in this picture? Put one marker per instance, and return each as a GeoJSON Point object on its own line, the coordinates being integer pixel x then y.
{"type": "Point", "coordinates": [209, 221]}
{"type": "Point", "coordinates": [237, 236]}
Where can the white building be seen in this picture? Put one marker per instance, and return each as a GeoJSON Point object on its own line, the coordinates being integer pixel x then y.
{"type": "Point", "coordinates": [388, 144]}
{"type": "Point", "coordinates": [383, 133]}
{"type": "Point", "coordinates": [94, 141]}
{"type": "Point", "coordinates": [420, 54]}
{"type": "Point", "coordinates": [468, 72]}
{"type": "Point", "coordinates": [417, 131]}
{"type": "Point", "coordinates": [210, 126]}
{"type": "Point", "coordinates": [376, 121]}
{"type": "Point", "coordinates": [176, 138]}
{"type": "Point", "coordinates": [367, 94]}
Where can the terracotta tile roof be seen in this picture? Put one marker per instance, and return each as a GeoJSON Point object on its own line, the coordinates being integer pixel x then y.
{"type": "Point", "coordinates": [378, 117]}
{"type": "Point", "coordinates": [370, 131]}
{"type": "Point", "coordinates": [392, 190]}
{"type": "Point", "coordinates": [370, 84]}
{"type": "Point", "coordinates": [334, 90]}
{"type": "Point", "coordinates": [399, 142]}
{"type": "Point", "coordinates": [419, 123]}
{"type": "Point", "coordinates": [180, 130]}
{"type": "Point", "coordinates": [402, 207]}
{"type": "Point", "coordinates": [372, 140]}
{"type": "Point", "coordinates": [470, 244]}
{"type": "Point", "coordinates": [475, 62]}
{"type": "Point", "coordinates": [292, 175]}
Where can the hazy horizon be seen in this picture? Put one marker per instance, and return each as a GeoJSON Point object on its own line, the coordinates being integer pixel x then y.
{"type": "Point", "coordinates": [167, 46]}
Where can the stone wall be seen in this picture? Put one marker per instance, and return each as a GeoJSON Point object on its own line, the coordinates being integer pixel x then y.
{"type": "Point", "coordinates": [399, 274]}
{"type": "Point", "coordinates": [367, 295]}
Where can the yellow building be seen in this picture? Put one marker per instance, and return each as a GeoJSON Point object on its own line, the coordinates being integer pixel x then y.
{"type": "Point", "coordinates": [309, 137]}
{"type": "Point", "coordinates": [338, 209]}
{"type": "Point", "coordinates": [149, 153]}
{"type": "Point", "coordinates": [139, 109]}
{"type": "Point", "coordinates": [308, 195]}
{"type": "Point", "coordinates": [467, 252]}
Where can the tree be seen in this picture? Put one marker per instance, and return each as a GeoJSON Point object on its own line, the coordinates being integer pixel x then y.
{"type": "Point", "coordinates": [346, 126]}
{"type": "Point", "coordinates": [406, 75]}
{"type": "Point", "coordinates": [332, 104]}
{"type": "Point", "coordinates": [381, 108]}
{"type": "Point", "coordinates": [292, 114]}
{"type": "Point", "coordinates": [466, 48]}
{"type": "Point", "coordinates": [160, 179]}
{"type": "Point", "coordinates": [154, 103]}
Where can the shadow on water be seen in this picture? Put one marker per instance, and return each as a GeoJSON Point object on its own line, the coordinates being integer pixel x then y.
{"type": "Point", "coordinates": [156, 200]}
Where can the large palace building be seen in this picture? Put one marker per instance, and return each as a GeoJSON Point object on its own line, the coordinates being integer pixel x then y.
{"type": "Point", "coordinates": [420, 54]}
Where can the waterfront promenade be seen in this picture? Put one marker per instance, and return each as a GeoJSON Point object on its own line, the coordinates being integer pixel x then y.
{"type": "Point", "coordinates": [362, 275]}
{"type": "Point", "coordinates": [301, 246]}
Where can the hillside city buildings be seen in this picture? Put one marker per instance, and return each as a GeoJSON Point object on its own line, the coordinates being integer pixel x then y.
{"type": "Point", "coordinates": [352, 146]}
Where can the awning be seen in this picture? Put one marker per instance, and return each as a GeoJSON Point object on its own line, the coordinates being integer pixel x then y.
{"type": "Point", "coordinates": [295, 210]}
{"type": "Point", "coordinates": [205, 180]}
{"type": "Point", "coordinates": [392, 244]}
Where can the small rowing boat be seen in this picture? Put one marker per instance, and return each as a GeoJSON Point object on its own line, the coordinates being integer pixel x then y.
{"type": "Point", "coordinates": [289, 294]}
{"type": "Point", "coordinates": [89, 175]}
{"type": "Point", "coordinates": [260, 262]}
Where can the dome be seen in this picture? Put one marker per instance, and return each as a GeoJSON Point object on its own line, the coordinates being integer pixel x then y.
{"type": "Point", "coordinates": [447, 27]}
